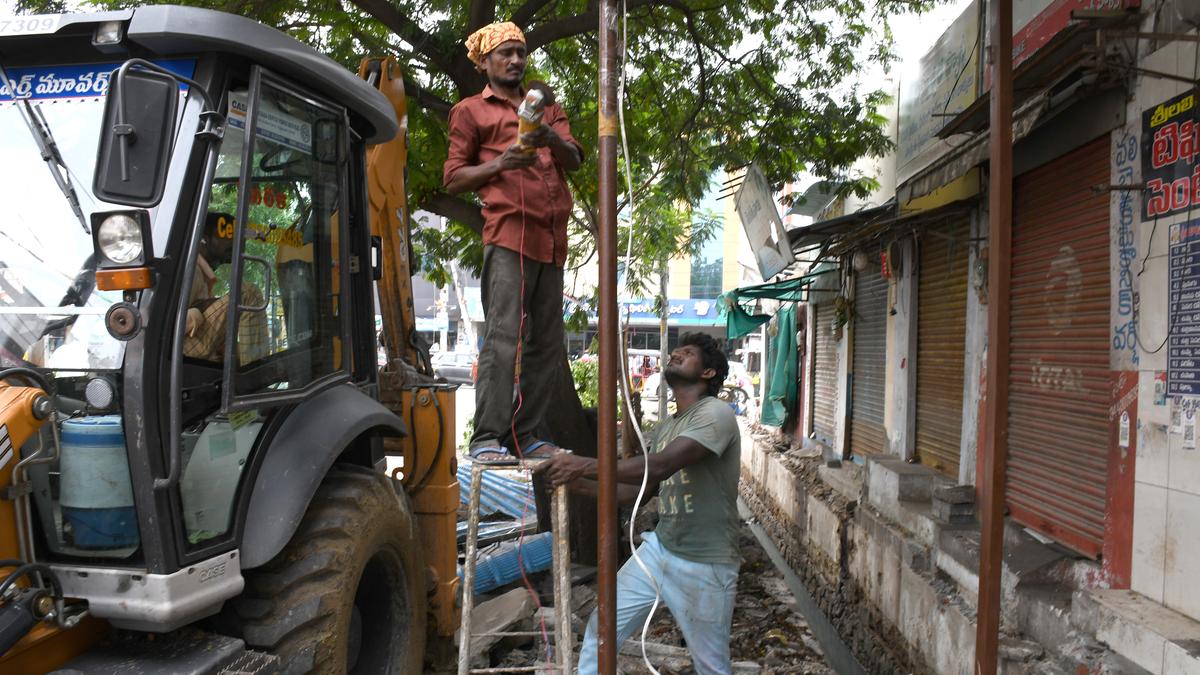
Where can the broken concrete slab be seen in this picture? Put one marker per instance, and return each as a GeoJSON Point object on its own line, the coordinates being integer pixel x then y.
{"type": "Point", "coordinates": [495, 616]}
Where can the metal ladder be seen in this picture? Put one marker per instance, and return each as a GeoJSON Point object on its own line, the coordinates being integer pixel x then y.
{"type": "Point", "coordinates": [563, 638]}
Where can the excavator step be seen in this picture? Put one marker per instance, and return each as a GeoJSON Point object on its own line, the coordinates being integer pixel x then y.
{"type": "Point", "coordinates": [187, 651]}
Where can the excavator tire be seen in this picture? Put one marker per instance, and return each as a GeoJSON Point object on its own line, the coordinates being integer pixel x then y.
{"type": "Point", "coordinates": [347, 594]}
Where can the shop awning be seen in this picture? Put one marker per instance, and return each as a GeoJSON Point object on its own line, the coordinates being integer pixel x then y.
{"type": "Point", "coordinates": [820, 232]}
{"type": "Point", "coordinates": [738, 319]}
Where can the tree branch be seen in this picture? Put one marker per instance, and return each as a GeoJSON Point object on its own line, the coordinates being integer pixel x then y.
{"type": "Point", "coordinates": [456, 209]}
{"type": "Point", "coordinates": [480, 14]}
{"type": "Point", "coordinates": [400, 24]}
{"type": "Point", "coordinates": [527, 11]}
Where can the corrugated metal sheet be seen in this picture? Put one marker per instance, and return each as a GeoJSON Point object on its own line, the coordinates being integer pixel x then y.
{"type": "Point", "coordinates": [867, 435]}
{"type": "Point", "coordinates": [825, 382]}
{"type": "Point", "coordinates": [1059, 370]}
{"type": "Point", "coordinates": [941, 338]}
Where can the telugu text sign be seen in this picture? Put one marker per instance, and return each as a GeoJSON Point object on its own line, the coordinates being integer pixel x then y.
{"type": "Point", "coordinates": [1170, 148]}
{"type": "Point", "coordinates": [1183, 310]}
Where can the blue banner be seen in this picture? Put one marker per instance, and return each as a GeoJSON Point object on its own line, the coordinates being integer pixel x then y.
{"type": "Point", "coordinates": [90, 80]}
{"type": "Point", "coordinates": [680, 311]}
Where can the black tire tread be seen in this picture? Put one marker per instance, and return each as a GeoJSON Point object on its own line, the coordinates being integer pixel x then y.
{"type": "Point", "coordinates": [288, 605]}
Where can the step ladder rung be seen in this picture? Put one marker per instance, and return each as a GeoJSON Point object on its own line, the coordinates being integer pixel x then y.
{"type": "Point", "coordinates": [519, 669]}
{"type": "Point", "coordinates": [511, 633]}
{"type": "Point", "coordinates": [561, 567]}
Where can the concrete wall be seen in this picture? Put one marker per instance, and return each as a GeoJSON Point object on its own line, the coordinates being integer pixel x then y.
{"type": "Point", "coordinates": [900, 585]}
{"type": "Point", "coordinates": [900, 393]}
{"type": "Point", "coordinates": [975, 354]}
{"type": "Point", "coordinates": [1166, 513]}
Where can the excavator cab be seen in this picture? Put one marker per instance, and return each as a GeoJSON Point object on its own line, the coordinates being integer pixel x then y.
{"type": "Point", "coordinates": [190, 418]}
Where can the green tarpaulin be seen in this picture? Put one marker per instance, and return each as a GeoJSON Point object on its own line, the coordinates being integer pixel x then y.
{"type": "Point", "coordinates": [739, 321]}
{"type": "Point", "coordinates": [781, 392]}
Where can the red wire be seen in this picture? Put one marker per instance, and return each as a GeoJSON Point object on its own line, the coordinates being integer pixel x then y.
{"type": "Point", "coordinates": [517, 443]}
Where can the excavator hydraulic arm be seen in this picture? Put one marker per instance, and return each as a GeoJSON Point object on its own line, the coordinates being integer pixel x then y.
{"type": "Point", "coordinates": [429, 461]}
{"type": "Point", "coordinates": [386, 185]}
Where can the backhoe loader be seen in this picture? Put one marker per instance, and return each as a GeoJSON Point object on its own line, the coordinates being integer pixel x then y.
{"type": "Point", "coordinates": [202, 467]}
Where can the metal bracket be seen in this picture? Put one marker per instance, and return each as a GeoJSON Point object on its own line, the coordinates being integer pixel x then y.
{"type": "Point", "coordinates": [1101, 188]}
{"type": "Point", "coordinates": [17, 490]}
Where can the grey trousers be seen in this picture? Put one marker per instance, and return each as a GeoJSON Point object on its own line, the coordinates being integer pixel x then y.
{"type": "Point", "coordinates": [542, 351]}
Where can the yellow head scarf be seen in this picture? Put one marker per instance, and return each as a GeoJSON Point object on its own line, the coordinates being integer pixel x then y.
{"type": "Point", "coordinates": [484, 40]}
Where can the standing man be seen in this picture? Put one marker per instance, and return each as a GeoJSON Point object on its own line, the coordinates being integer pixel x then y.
{"type": "Point", "coordinates": [693, 552]}
{"type": "Point", "coordinates": [526, 204]}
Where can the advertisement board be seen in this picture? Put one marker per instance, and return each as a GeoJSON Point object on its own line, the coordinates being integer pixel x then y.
{"type": "Point", "coordinates": [759, 214]}
{"type": "Point", "coordinates": [941, 84]}
{"type": "Point", "coordinates": [1170, 148]}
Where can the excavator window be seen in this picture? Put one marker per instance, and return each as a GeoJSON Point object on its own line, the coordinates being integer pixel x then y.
{"type": "Point", "coordinates": [289, 324]}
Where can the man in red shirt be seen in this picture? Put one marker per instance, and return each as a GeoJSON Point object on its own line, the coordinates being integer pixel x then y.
{"type": "Point", "coordinates": [526, 204]}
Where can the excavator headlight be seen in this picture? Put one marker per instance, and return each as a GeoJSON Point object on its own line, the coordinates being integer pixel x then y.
{"type": "Point", "coordinates": [122, 244]}
{"type": "Point", "coordinates": [121, 238]}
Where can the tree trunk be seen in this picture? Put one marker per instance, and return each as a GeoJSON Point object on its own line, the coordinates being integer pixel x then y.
{"type": "Point", "coordinates": [571, 426]}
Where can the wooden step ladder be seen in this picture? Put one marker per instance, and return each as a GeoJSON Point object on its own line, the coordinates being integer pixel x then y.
{"type": "Point", "coordinates": [563, 638]}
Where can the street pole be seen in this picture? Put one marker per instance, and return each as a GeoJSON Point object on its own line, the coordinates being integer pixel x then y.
{"type": "Point", "coordinates": [663, 350]}
{"type": "Point", "coordinates": [995, 455]}
{"type": "Point", "coordinates": [606, 445]}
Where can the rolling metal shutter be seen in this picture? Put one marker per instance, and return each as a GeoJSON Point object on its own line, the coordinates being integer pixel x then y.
{"type": "Point", "coordinates": [825, 382]}
{"type": "Point", "coordinates": [1059, 394]}
{"type": "Point", "coordinates": [941, 338]}
{"type": "Point", "coordinates": [870, 348]}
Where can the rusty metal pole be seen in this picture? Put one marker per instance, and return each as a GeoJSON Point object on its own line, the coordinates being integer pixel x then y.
{"type": "Point", "coordinates": [995, 452]}
{"type": "Point", "coordinates": [606, 443]}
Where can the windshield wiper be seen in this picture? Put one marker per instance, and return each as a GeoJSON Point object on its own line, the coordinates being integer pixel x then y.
{"type": "Point", "coordinates": [39, 129]}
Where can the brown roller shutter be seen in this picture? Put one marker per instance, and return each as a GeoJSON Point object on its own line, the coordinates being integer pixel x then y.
{"type": "Point", "coordinates": [941, 338]}
{"type": "Point", "coordinates": [1059, 368]}
{"type": "Point", "coordinates": [870, 348]}
{"type": "Point", "coordinates": [825, 382]}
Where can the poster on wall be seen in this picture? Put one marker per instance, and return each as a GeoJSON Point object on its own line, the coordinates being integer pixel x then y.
{"type": "Point", "coordinates": [1183, 310]}
{"type": "Point", "coordinates": [1170, 149]}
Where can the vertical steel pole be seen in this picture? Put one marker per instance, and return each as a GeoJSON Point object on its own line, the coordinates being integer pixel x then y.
{"type": "Point", "coordinates": [606, 445]}
{"type": "Point", "coordinates": [995, 455]}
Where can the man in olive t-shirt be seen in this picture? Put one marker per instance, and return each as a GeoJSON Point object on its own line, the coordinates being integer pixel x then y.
{"type": "Point", "coordinates": [693, 554]}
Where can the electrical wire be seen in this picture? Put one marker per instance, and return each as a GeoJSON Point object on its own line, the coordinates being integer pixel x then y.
{"type": "Point", "coordinates": [621, 83]}
{"type": "Point", "coordinates": [519, 365]}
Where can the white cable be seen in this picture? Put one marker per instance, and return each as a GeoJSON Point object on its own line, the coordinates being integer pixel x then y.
{"type": "Point", "coordinates": [624, 375]}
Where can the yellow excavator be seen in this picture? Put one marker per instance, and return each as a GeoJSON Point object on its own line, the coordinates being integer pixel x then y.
{"type": "Point", "coordinates": [204, 468]}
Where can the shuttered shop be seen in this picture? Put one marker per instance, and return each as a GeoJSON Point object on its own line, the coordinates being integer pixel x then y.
{"type": "Point", "coordinates": [1059, 369]}
{"type": "Point", "coordinates": [825, 369]}
{"type": "Point", "coordinates": [870, 343]}
{"type": "Point", "coordinates": [941, 337]}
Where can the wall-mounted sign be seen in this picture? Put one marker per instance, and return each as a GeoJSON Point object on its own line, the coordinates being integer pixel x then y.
{"type": "Point", "coordinates": [942, 83]}
{"type": "Point", "coordinates": [1183, 310]}
{"type": "Point", "coordinates": [1170, 148]}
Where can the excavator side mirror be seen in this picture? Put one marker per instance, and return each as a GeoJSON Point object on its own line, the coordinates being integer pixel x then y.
{"type": "Point", "coordinates": [136, 139]}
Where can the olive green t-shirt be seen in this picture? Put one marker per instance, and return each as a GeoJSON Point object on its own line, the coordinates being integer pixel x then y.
{"type": "Point", "coordinates": [697, 506]}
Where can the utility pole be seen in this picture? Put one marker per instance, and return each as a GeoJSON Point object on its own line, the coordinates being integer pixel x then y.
{"type": "Point", "coordinates": [610, 354]}
{"type": "Point", "coordinates": [663, 351]}
{"type": "Point", "coordinates": [995, 455]}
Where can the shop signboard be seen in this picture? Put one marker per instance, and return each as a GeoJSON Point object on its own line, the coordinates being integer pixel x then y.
{"type": "Point", "coordinates": [941, 84]}
{"type": "Point", "coordinates": [641, 311]}
{"type": "Point", "coordinates": [1170, 150]}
